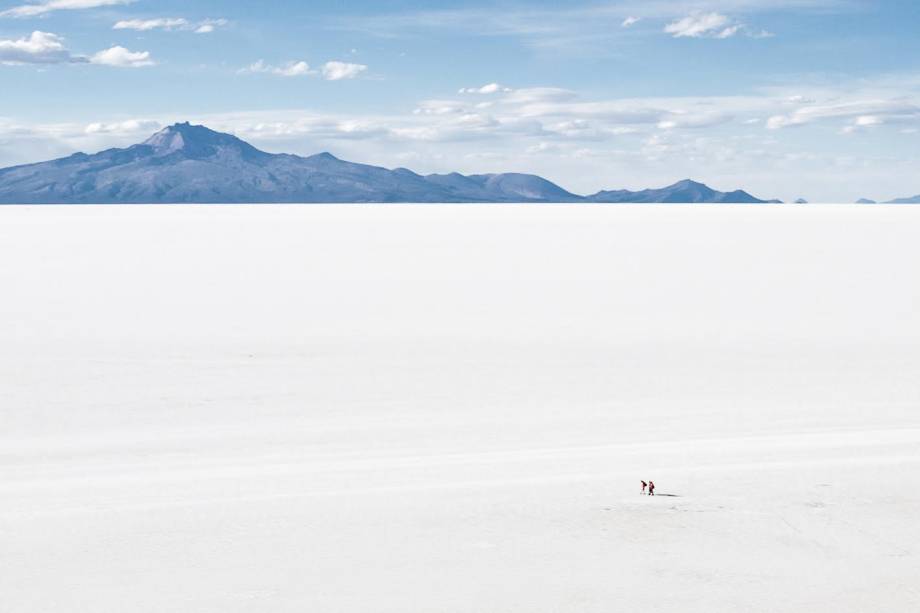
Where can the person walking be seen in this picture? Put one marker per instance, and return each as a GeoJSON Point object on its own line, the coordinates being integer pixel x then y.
{"type": "Point", "coordinates": [644, 485]}
{"type": "Point", "coordinates": [651, 488]}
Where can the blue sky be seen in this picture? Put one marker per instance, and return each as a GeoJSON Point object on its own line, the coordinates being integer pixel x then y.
{"type": "Point", "coordinates": [786, 98]}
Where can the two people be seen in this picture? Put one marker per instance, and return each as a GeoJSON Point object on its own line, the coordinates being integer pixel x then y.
{"type": "Point", "coordinates": [651, 487]}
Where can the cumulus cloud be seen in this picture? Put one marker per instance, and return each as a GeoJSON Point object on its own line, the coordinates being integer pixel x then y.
{"type": "Point", "coordinates": [47, 48]}
{"type": "Point", "coordinates": [120, 57]}
{"type": "Point", "coordinates": [292, 69]}
{"type": "Point", "coordinates": [865, 121]}
{"type": "Point", "coordinates": [48, 6]}
{"type": "Point", "coordinates": [337, 71]}
{"type": "Point", "coordinates": [331, 71]}
{"type": "Point", "coordinates": [630, 21]}
{"type": "Point", "coordinates": [38, 48]}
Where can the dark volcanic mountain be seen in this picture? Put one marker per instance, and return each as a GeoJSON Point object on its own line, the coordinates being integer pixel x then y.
{"type": "Point", "coordinates": [192, 164]}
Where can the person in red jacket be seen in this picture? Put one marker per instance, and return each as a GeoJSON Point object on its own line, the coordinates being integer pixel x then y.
{"type": "Point", "coordinates": [651, 488]}
{"type": "Point", "coordinates": [644, 485]}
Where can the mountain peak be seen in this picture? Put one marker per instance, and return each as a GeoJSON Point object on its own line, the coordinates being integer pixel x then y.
{"type": "Point", "coordinates": [195, 141]}
{"type": "Point", "coordinates": [689, 183]}
{"type": "Point", "coordinates": [325, 156]}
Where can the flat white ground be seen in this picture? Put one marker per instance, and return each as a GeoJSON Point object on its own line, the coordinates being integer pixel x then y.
{"type": "Point", "coordinates": [429, 409]}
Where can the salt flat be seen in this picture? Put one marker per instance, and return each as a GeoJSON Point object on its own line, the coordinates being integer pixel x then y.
{"type": "Point", "coordinates": [449, 409]}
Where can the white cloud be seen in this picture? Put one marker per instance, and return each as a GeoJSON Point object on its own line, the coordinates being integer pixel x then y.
{"type": "Point", "coordinates": [630, 21]}
{"type": "Point", "coordinates": [38, 48]}
{"type": "Point", "coordinates": [489, 88]}
{"type": "Point", "coordinates": [620, 112]}
{"type": "Point", "coordinates": [48, 48]}
{"type": "Point", "coordinates": [700, 25]}
{"type": "Point", "coordinates": [127, 127]}
{"type": "Point", "coordinates": [143, 25]}
{"type": "Point", "coordinates": [289, 69]}
{"type": "Point", "coordinates": [678, 120]}
{"type": "Point", "coordinates": [209, 25]}
{"type": "Point", "coordinates": [292, 69]}
{"type": "Point", "coordinates": [120, 57]}
{"type": "Point", "coordinates": [712, 25]}
{"type": "Point", "coordinates": [534, 95]}
{"type": "Point", "coordinates": [729, 31]}
{"type": "Point", "coordinates": [331, 71]}
{"type": "Point", "coordinates": [861, 113]}
{"type": "Point", "coordinates": [170, 23]}
{"type": "Point", "coordinates": [865, 121]}
{"type": "Point", "coordinates": [256, 67]}
{"type": "Point", "coordinates": [777, 122]}
{"type": "Point", "coordinates": [439, 107]}
{"type": "Point", "coordinates": [48, 6]}
{"type": "Point", "coordinates": [337, 71]}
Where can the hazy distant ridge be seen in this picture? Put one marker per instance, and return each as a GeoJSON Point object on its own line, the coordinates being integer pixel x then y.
{"type": "Point", "coordinates": [683, 191]}
{"type": "Point", "coordinates": [193, 164]}
{"type": "Point", "coordinates": [911, 200]}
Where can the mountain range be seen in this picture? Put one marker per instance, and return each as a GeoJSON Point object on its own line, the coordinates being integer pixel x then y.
{"type": "Point", "coordinates": [185, 163]}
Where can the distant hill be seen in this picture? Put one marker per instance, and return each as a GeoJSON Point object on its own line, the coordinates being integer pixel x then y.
{"type": "Point", "coordinates": [503, 187]}
{"type": "Point", "coordinates": [865, 201]}
{"type": "Point", "coordinates": [686, 191]}
{"type": "Point", "coordinates": [185, 163]}
{"type": "Point", "coordinates": [911, 200]}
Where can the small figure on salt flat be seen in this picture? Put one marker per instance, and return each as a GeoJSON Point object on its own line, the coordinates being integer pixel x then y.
{"type": "Point", "coordinates": [651, 488]}
{"type": "Point", "coordinates": [644, 485]}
